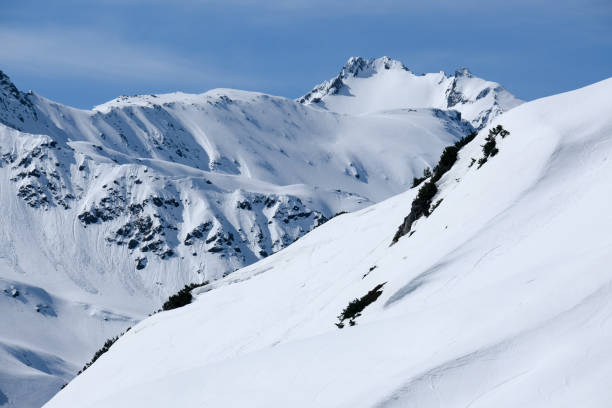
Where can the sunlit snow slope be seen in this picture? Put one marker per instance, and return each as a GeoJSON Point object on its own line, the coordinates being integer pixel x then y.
{"type": "Point", "coordinates": [106, 212]}
{"type": "Point", "coordinates": [501, 298]}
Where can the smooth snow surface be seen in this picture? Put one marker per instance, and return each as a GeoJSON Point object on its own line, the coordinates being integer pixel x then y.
{"type": "Point", "coordinates": [501, 298]}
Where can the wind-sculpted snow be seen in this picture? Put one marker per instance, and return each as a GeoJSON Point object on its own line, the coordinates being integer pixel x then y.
{"type": "Point", "coordinates": [110, 211]}
{"type": "Point", "coordinates": [500, 298]}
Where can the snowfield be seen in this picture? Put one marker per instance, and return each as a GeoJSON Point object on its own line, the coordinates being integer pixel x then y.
{"type": "Point", "coordinates": [502, 297]}
{"type": "Point", "coordinates": [107, 212]}
{"type": "Point", "coordinates": [371, 85]}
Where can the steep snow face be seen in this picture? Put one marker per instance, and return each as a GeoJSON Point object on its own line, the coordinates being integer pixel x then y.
{"type": "Point", "coordinates": [500, 298]}
{"type": "Point", "coordinates": [108, 212]}
{"type": "Point", "coordinates": [369, 85]}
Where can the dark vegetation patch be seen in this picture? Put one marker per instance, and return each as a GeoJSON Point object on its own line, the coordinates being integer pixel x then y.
{"type": "Point", "coordinates": [489, 149]}
{"type": "Point", "coordinates": [422, 203]}
{"type": "Point", "coordinates": [182, 297]}
{"type": "Point", "coordinates": [355, 307]}
{"type": "Point", "coordinates": [418, 180]}
{"type": "Point", "coordinates": [107, 345]}
{"type": "Point", "coordinates": [433, 207]}
{"type": "Point", "coordinates": [368, 272]}
{"type": "Point", "coordinates": [459, 144]}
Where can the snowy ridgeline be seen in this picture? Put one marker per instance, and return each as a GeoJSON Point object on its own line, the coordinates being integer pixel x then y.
{"type": "Point", "coordinates": [107, 212]}
{"type": "Point", "coordinates": [365, 86]}
{"type": "Point", "coordinates": [499, 298]}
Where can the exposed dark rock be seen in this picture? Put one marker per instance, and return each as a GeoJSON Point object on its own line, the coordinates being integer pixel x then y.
{"type": "Point", "coordinates": [197, 233]}
{"type": "Point", "coordinates": [141, 263]}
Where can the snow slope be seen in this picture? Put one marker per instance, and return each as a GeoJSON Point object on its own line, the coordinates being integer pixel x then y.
{"type": "Point", "coordinates": [370, 85]}
{"type": "Point", "coordinates": [106, 212]}
{"type": "Point", "coordinates": [502, 297]}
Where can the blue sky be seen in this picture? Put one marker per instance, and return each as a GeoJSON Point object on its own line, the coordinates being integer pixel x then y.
{"type": "Point", "coordinates": [83, 53]}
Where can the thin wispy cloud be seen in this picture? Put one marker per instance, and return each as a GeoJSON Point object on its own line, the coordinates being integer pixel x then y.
{"type": "Point", "coordinates": [393, 6]}
{"type": "Point", "coordinates": [98, 55]}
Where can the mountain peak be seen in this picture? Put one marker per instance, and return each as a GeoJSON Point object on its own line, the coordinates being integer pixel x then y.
{"type": "Point", "coordinates": [367, 66]}
{"type": "Point", "coordinates": [382, 84]}
{"type": "Point", "coordinates": [463, 72]}
{"type": "Point", "coordinates": [7, 86]}
{"type": "Point", "coordinates": [355, 67]}
{"type": "Point", "coordinates": [17, 107]}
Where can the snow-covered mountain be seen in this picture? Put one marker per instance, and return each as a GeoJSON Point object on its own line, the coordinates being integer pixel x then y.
{"type": "Point", "coordinates": [108, 211]}
{"type": "Point", "coordinates": [499, 298]}
{"type": "Point", "coordinates": [370, 85]}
